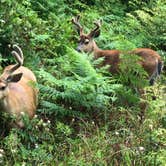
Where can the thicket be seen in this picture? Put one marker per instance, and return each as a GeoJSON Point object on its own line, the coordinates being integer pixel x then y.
{"type": "Point", "coordinates": [86, 116]}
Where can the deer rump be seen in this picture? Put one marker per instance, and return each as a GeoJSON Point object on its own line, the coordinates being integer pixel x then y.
{"type": "Point", "coordinates": [150, 60]}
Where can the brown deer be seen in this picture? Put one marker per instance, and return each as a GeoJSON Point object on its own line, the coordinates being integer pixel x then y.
{"type": "Point", "coordinates": [18, 95]}
{"type": "Point", "coordinates": [151, 60]}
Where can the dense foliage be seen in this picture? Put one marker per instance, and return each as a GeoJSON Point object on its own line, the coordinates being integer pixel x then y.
{"type": "Point", "coordinates": [86, 116]}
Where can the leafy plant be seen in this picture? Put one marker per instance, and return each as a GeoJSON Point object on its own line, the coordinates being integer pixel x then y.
{"type": "Point", "coordinates": [86, 116]}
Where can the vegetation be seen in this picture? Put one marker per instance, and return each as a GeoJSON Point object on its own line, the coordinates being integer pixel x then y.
{"type": "Point", "coordinates": [86, 116]}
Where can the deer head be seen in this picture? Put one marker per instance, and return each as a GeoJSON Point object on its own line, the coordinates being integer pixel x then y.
{"type": "Point", "coordinates": [86, 42]}
{"type": "Point", "coordinates": [8, 75]}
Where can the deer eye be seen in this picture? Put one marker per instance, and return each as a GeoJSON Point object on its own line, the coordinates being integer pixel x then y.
{"type": "Point", "coordinates": [86, 41]}
{"type": "Point", "coordinates": [2, 88]}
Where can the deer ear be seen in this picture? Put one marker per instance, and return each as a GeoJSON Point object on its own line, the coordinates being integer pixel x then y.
{"type": "Point", "coordinates": [14, 77]}
{"type": "Point", "coordinates": [95, 34]}
{"type": "Point", "coordinates": [78, 31]}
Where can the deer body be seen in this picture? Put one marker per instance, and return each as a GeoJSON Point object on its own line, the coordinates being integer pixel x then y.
{"type": "Point", "coordinates": [18, 95]}
{"type": "Point", "coordinates": [150, 60]}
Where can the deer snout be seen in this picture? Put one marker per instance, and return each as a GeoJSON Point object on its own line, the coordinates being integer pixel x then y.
{"type": "Point", "coordinates": [78, 49]}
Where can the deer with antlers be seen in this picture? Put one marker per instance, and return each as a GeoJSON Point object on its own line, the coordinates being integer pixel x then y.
{"type": "Point", "coordinates": [18, 95]}
{"type": "Point", "coordinates": [150, 60]}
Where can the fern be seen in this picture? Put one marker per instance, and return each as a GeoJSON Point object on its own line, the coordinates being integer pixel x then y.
{"type": "Point", "coordinates": [82, 88]}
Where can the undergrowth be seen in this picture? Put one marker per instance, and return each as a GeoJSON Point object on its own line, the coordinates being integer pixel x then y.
{"type": "Point", "coordinates": [86, 115]}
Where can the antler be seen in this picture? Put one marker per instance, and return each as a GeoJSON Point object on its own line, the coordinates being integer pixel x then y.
{"type": "Point", "coordinates": [18, 54]}
{"type": "Point", "coordinates": [97, 28]}
{"type": "Point", "coordinates": [75, 21]}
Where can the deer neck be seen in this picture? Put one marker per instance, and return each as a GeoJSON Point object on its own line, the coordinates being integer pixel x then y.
{"type": "Point", "coordinates": [96, 50]}
{"type": "Point", "coordinates": [4, 104]}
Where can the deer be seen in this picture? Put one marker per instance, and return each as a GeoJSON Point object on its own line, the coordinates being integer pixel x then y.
{"type": "Point", "coordinates": [18, 95]}
{"type": "Point", "coordinates": [150, 59]}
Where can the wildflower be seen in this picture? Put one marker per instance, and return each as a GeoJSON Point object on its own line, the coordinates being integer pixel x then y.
{"type": "Point", "coordinates": [23, 164]}
{"type": "Point", "coordinates": [1, 151]}
{"type": "Point", "coordinates": [22, 113]}
{"type": "Point", "coordinates": [151, 126]}
{"type": "Point", "coordinates": [44, 124]}
{"type": "Point", "coordinates": [116, 133]}
{"type": "Point", "coordinates": [2, 21]}
{"type": "Point", "coordinates": [36, 146]}
{"type": "Point", "coordinates": [47, 129]}
{"type": "Point", "coordinates": [141, 149]}
{"type": "Point", "coordinates": [13, 150]}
